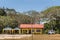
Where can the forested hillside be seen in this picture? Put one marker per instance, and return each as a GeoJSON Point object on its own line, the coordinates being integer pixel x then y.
{"type": "Point", "coordinates": [53, 13]}
{"type": "Point", "coordinates": [13, 19]}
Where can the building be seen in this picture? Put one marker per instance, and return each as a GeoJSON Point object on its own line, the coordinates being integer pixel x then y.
{"type": "Point", "coordinates": [44, 20]}
{"type": "Point", "coordinates": [9, 30]}
{"type": "Point", "coordinates": [31, 28]}
{"type": "Point", "coordinates": [24, 29]}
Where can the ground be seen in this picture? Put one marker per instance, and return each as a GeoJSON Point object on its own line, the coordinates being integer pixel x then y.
{"type": "Point", "coordinates": [35, 37]}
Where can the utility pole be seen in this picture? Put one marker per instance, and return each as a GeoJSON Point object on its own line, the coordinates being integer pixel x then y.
{"type": "Point", "coordinates": [31, 29]}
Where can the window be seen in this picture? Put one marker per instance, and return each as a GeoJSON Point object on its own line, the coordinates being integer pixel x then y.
{"type": "Point", "coordinates": [38, 30]}
{"type": "Point", "coordinates": [24, 31]}
{"type": "Point", "coordinates": [32, 30]}
{"type": "Point", "coordinates": [16, 31]}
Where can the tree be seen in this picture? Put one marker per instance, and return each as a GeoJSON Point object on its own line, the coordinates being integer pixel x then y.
{"type": "Point", "coordinates": [7, 20]}
{"type": "Point", "coordinates": [21, 18]}
{"type": "Point", "coordinates": [35, 15]}
{"type": "Point", "coordinates": [2, 12]}
{"type": "Point", "coordinates": [53, 13]}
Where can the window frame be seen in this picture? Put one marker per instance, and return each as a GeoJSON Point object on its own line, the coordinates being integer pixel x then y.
{"type": "Point", "coordinates": [38, 30]}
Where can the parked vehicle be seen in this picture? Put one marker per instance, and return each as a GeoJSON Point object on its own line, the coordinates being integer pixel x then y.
{"type": "Point", "coordinates": [51, 32]}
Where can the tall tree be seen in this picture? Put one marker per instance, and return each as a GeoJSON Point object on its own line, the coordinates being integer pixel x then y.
{"type": "Point", "coordinates": [35, 15]}
{"type": "Point", "coordinates": [2, 12]}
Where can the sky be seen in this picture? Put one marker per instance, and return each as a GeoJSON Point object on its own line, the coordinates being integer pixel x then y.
{"type": "Point", "coordinates": [26, 5]}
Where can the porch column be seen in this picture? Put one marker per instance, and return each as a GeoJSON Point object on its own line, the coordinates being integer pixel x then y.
{"type": "Point", "coordinates": [41, 31]}
{"type": "Point", "coordinates": [19, 31]}
{"type": "Point", "coordinates": [28, 31]}
{"type": "Point", "coordinates": [12, 31]}
{"type": "Point", "coordinates": [3, 31]}
{"type": "Point", "coordinates": [22, 31]}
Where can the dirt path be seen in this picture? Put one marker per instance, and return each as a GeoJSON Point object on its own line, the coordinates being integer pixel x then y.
{"type": "Point", "coordinates": [46, 37]}
{"type": "Point", "coordinates": [35, 37]}
{"type": "Point", "coordinates": [6, 36]}
{"type": "Point", "coordinates": [43, 37]}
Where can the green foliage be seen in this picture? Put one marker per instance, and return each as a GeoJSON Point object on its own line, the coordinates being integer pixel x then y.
{"type": "Point", "coordinates": [35, 15]}
{"type": "Point", "coordinates": [2, 12]}
{"type": "Point", "coordinates": [13, 19]}
{"type": "Point", "coordinates": [53, 13]}
{"type": "Point", "coordinates": [7, 20]}
{"type": "Point", "coordinates": [24, 19]}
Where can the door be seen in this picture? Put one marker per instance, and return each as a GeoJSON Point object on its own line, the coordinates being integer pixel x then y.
{"type": "Point", "coordinates": [29, 31]}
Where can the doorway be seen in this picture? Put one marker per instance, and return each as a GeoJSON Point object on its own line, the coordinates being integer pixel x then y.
{"type": "Point", "coordinates": [29, 31]}
{"type": "Point", "coordinates": [16, 31]}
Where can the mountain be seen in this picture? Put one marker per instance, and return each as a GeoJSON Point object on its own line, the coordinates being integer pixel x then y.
{"type": "Point", "coordinates": [51, 12]}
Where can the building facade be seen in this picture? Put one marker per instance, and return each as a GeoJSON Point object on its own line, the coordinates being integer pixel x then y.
{"type": "Point", "coordinates": [31, 28]}
{"type": "Point", "coordinates": [24, 29]}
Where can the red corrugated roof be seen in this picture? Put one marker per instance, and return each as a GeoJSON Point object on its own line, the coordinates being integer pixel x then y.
{"type": "Point", "coordinates": [31, 26]}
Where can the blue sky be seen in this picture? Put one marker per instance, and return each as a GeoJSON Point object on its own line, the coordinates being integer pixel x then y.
{"type": "Point", "coordinates": [26, 5]}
